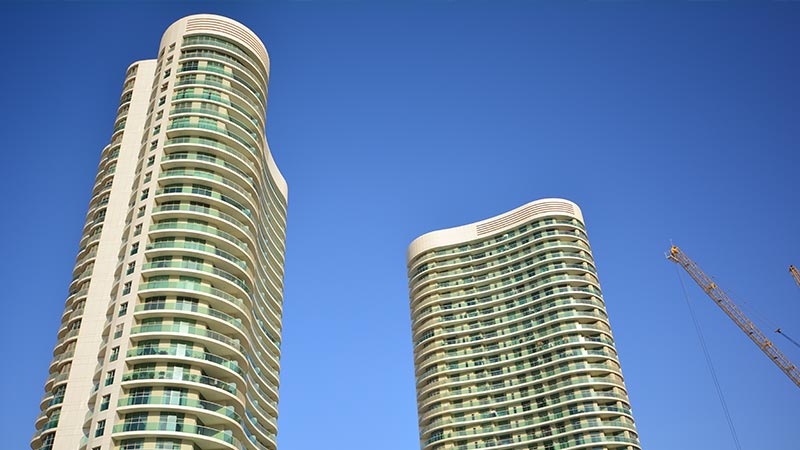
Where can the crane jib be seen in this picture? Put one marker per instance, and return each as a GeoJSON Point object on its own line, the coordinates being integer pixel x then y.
{"type": "Point", "coordinates": [732, 310]}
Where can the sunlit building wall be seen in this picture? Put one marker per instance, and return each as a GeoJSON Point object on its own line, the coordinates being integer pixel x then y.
{"type": "Point", "coordinates": [512, 344]}
{"type": "Point", "coordinates": [171, 331]}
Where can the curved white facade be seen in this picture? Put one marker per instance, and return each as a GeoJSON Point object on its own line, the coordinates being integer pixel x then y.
{"type": "Point", "coordinates": [172, 330]}
{"type": "Point", "coordinates": [512, 344]}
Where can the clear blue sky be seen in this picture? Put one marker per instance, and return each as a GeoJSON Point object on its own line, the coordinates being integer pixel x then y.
{"type": "Point", "coordinates": [661, 120]}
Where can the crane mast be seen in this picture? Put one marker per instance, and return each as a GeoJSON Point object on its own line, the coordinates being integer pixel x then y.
{"type": "Point", "coordinates": [795, 274]}
{"type": "Point", "coordinates": [729, 307]}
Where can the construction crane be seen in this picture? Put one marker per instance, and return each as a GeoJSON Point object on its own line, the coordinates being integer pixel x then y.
{"type": "Point", "coordinates": [729, 307]}
{"type": "Point", "coordinates": [795, 274]}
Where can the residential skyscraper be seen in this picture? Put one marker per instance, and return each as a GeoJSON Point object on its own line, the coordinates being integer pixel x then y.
{"type": "Point", "coordinates": [171, 332]}
{"type": "Point", "coordinates": [512, 344]}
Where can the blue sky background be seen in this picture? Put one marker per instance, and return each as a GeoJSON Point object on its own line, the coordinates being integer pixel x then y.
{"type": "Point", "coordinates": [662, 120]}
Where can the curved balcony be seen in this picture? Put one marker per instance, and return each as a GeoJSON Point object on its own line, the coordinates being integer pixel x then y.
{"type": "Point", "coordinates": [248, 127]}
{"type": "Point", "coordinates": [214, 42]}
{"type": "Point", "coordinates": [501, 245]}
{"type": "Point", "coordinates": [168, 331]}
{"type": "Point", "coordinates": [517, 286]}
{"type": "Point", "coordinates": [191, 310]}
{"type": "Point", "coordinates": [504, 413]}
{"type": "Point", "coordinates": [205, 249]}
{"type": "Point", "coordinates": [523, 306]}
{"type": "Point", "coordinates": [187, 286]}
{"type": "Point", "coordinates": [205, 268]}
{"type": "Point", "coordinates": [576, 425]}
{"type": "Point", "coordinates": [541, 363]}
{"type": "Point", "coordinates": [511, 345]}
{"type": "Point", "coordinates": [167, 376]}
{"type": "Point", "coordinates": [511, 274]}
{"type": "Point", "coordinates": [489, 310]}
{"type": "Point", "coordinates": [156, 353]}
{"type": "Point", "coordinates": [175, 211]}
{"type": "Point", "coordinates": [138, 402]}
{"type": "Point", "coordinates": [194, 193]}
{"type": "Point", "coordinates": [498, 325]}
{"type": "Point", "coordinates": [212, 436]}
{"type": "Point", "coordinates": [191, 175]}
{"type": "Point", "coordinates": [249, 142]}
{"type": "Point", "coordinates": [496, 270]}
{"type": "Point", "coordinates": [205, 229]}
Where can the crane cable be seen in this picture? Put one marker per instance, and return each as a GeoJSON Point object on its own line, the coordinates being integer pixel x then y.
{"type": "Point", "coordinates": [709, 363]}
{"type": "Point", "coordinates": [765, 320]}
{"type": "Point", "coordinates": [787, 337]}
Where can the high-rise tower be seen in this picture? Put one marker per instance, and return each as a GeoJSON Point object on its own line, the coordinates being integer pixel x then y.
{"type": "Point", "coordinates": [171, 332]}
{"type": "Point", "coordinates": [512, 345]}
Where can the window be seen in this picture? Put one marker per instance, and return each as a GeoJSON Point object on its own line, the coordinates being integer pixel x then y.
{"type": "Point", "coordinates": [154, 144]}
{"type": "Point", "coordinates": [132, 444]}
{"type": "Point", "coordinates": [135, 248]}
{"type": "Point", "coordinates": [105, 402]}
{"type": "Point", "coordinates": [132, 265]}
{"type": "Point", "coordinates": [173, 396]}
{"type": "Point", "coordinates": [58, 395]}
{"type": "Point", "coordinates": [101, 428]}
{"type": "Point", "coordinates": [141, 395]}
{"type": "Point", "coordinates": [157, 302]}
{"type": "Point", "coordinates": [147, 177]}
{"type": "Point", "coordinates": [170, 422]}
{"type": "Point", "coordinates": [172, 46]}
{"type": "Point", "coordinates": [118, 330]}
{"type": "Point", "coordinates": [135, 422]}
{"type": "Point", "coordinates": [140, 213]}
{"type": "Point", "coordinates": [126, 288]}
{"type": "Point", "coordinates": [151, 160]}
{"type": "Point", "coordinates": [162, 100]}
{"type": "Point", "coordinates": [156, 130]}
{"type": "Point", "coordinates": [187, 303]}
{"type": "Point", "coordinates": [114, 354]}
{"type": "Point", "coordinates": [168, 444]}
{"type": "Point", "coordinates": [145, 194]}
{"type": "Point", "coordinates": [123, 309]}
{"type": "Point", "coordinates": [110, 377]}
{"type": "Point", "coordinates": [47, 441]}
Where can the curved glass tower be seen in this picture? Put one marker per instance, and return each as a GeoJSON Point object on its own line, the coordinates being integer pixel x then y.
{"type": "Point", "coordinates": [512, 344]}
{"type": "Point", "coordinates": [171, 332]}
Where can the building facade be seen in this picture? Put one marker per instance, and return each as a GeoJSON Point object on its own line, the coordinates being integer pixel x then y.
{"type": "Point", "coordinates": [171, 332]}
{"type": "Point", "coordinates": [512, 344]}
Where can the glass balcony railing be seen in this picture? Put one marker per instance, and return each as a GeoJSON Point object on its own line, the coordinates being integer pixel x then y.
{"type": "Point", "coordinates": [505, 412]}
{"type": "Point", "coordinates": [180, 376]}
{"type": "Point", "coordinates": [217, 145]}
{"type": "Point", "coordinates": [199, 267]}
{"type": "Point", "coordinates": [187, 353]}
{"type": "Point", "coordinates": [209, 176]}
{"type": "Point", "coordinates": [201, 228]}
{"type": "Point", "coordinates": [227, 411]}
{"type": "Point", "coordinates": [206, 193]}
{"type": "Point", "coordinates": [196, 331]}
{"type": "Point", "coordinates": [201, 247]}
{"type": "Point", "coordinates": [187, 285]}
{"type": "Point", "coordinates": [209, 211]}
{"type": "Point", "coordinates": [175, 306]}
{"type": "Point", "coordinates": [221, 435]}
